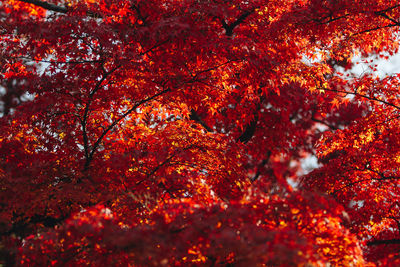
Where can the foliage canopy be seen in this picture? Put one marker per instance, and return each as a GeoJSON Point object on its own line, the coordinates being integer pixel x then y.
{"type": "Point", "coordinates": [174, 133]}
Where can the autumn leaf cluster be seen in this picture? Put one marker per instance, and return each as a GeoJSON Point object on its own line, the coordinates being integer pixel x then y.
{"type": "Point", "coordinates": [177, 133]}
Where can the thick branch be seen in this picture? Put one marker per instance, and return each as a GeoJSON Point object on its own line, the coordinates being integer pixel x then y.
{"type": "Point", "coordinates": [383, 242]}
{"type": "Point", "coordinates": [55, 8]}
{"type": "Point", "coordinates": [22, 228]}
{"type": "Point", "coordinates": [194, 116]}
{"type": "Point", "coordinates": [251, 127]}
{"type": "Point", "coordinates": [250, 130]}
{"type": "Point", "coordinates": [229, 27]}
{"type": "Point", "coordinates": [46, 5]}
{"type": "Point", "coordinates": [384, 15]}
{"type": "Point", "coordinates": [139, 13]}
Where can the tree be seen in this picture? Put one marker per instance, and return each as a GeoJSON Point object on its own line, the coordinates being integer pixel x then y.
{"type": "Point", "coordinates": [173, 133]}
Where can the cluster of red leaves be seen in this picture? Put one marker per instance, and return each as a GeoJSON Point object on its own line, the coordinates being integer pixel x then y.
{"type": "Point", "coordinates": [150, 133]}
{"type": "Point", "coordinates": [181, 232]}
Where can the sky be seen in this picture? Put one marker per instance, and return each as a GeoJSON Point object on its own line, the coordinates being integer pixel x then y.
{"type": "Point", "coordinates": [384, 67]}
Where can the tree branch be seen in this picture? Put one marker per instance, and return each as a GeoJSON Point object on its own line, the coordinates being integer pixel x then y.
{"type": "Point", "coordinates": [381, 177]}
{"type": "Point", "coordinates": [383, 242]}
{"type": "Point", "coordinates": [388, 9]}
{"type": "Point", "coordinates": [374, 29]}
{"type": "Point", "coordinates": [363, 96]}
{"type": "Point", "coordinates": [55, 8]}
{"type": "Point", "coordinates": [249, 132]}
{"type": "Point", "coordinates": [384, 15]}
{"type": "Point", "coordinates": [263, 162]}
{"type": "Point", "coordinates": [86, 115]}
{"type": "Point", "coordinates": [114, 123]}
{"type": "Point", "coordinates": [229, 27]}
{"type": "Point", "coordinates": [324, 123]}
{"type": "Point", "coordinates": [46, 5]}
{"type": "Point", "coordinates": [195, 117]}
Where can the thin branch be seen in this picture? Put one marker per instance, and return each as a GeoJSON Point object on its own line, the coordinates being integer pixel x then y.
{"type": "Point", "coordinates": [195, 75]}
{"type": "Point", "coordinates": [61, 62]}
{"type": "Point", "coordinates": [154, 47]}
{"type": "Point", "coordinates": [166, 161]}
{"type": "Point", "coordinates": [263, 162]}
{"type": "Point", "coordinates": [86, 114]}
{"type": "Point", "coordinates": [324, 123]}
{"type": "Point", "coordinates": [349, 185]}
{"type": "Point", "coordinates": [330, 19]}
{"type": "Point", "coordinates": [363, 96]}
{"type": "Point", "coordinates": [373, 29]}
{"type": "Point", "coordinates": [381, 177]}
{"type": "Point", "coordinates": [113, 124]}
{"type": "Point", "coordinates": [388, 9]}
{"type": "Point", "coordinates": [89, 154]}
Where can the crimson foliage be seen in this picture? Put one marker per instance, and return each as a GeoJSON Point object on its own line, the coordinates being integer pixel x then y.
{"type": "Point", "coordinates": [175, 133]}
